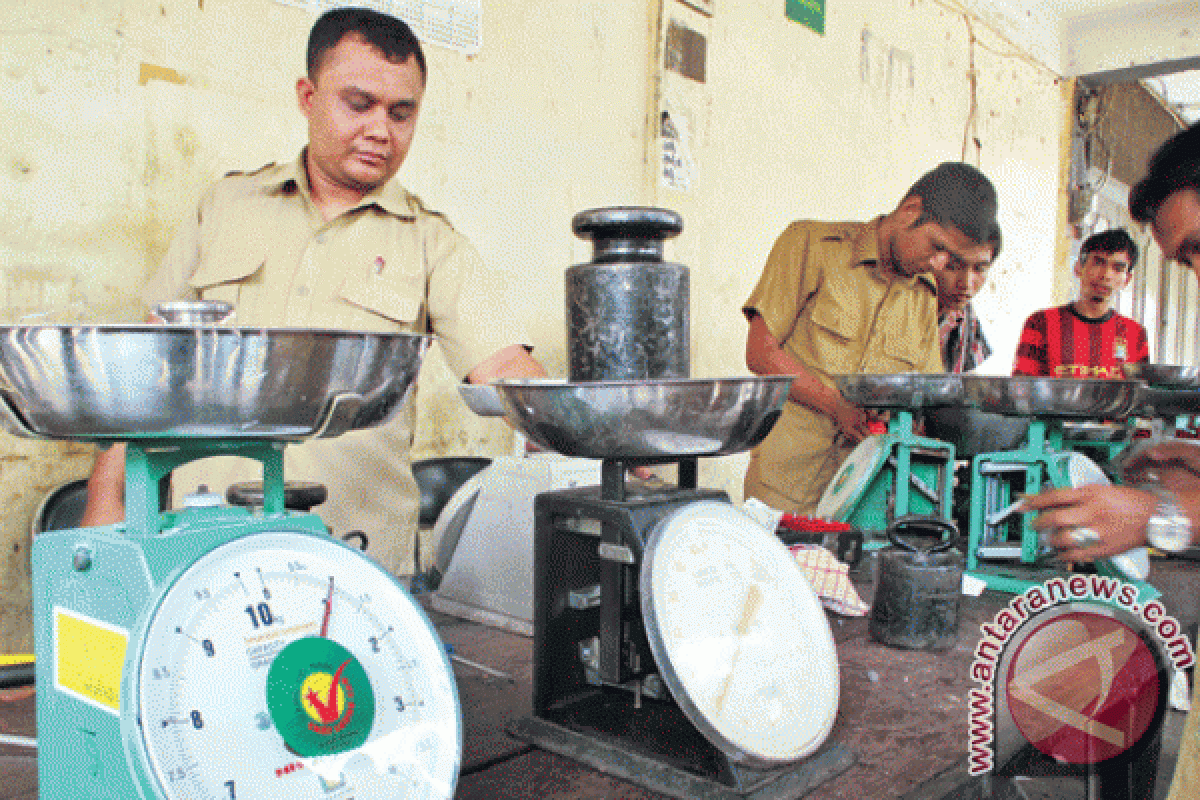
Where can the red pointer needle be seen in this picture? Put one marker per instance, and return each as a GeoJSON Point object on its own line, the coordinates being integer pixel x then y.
{"type": "Point", "coordinates": [328, 609]}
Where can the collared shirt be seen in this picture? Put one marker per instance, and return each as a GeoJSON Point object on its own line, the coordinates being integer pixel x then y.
{"type": "Point", "coordinates": [964, 347]}
{"type": "Point", "coordinates": [835, 309]}
{"type": "Point", "coordinates": [387, 265]}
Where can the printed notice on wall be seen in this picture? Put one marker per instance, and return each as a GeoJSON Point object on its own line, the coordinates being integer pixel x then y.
{"type": "Point", "coordinates": [809, 13]}
{"type": "Point", "coordinates": [455, 24]}
{"type": "Point", "coordinates": [677, 167]}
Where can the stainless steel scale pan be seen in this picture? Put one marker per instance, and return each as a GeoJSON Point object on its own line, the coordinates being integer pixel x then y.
{"type": "Point", "coordinates": [1170, 391]}
{"type": "Point", "coordinates": [645, 419]}
{"type": "Point", "coordinates": [1164, 376]}
{"type": "Point", "coordinates": [1067, 398]}
{"type": "Point", "coordinates": [911, 390]}
{"type": "Point", "coordinates": [149, 381]}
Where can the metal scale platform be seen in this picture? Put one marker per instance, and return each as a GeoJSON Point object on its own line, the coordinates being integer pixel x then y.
{"type": "Point", "coordinates": [1004, 550]}
{"type": "Point", "coordinates": [676, 642]}
{"type": "Point", "coordinates": [212, 651]}
{"type": "Point", "coordinates": [898, 473]}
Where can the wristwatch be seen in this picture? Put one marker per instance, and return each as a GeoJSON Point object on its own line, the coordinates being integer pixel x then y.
{"type": "Point", "coordinates": [1168, 528]}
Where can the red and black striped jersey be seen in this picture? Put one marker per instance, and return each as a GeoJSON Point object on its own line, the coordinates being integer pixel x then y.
{"type": "Point", "coordinates": [1061, 343]}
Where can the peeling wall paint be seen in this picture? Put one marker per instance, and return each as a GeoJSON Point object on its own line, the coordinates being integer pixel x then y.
{"type": "Point", "coordinates": [120, 114]}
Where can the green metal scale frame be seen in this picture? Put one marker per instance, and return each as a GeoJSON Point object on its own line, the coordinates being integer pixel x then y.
{"type": "Point", "coordinates": [916, 477]}
{"type": "Point", "coordinates": [1040, 463]}
{"type": "Point", "coordinates": [114, 574]}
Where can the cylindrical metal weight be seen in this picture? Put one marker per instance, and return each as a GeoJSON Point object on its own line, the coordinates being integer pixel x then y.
{"type": "Point", "coordinates": [627, 310]}
{"type": "Point", "coordinates": [916, 600]}
{"type": "Point", "coordinates": [918, 591]}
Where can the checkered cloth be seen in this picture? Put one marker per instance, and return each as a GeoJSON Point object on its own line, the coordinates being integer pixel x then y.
{"type": "Point", "coordinates": [830, 580]}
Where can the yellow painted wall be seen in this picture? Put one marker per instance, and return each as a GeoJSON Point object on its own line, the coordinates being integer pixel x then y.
{"type": "Point", "coordinates": [118, 113]}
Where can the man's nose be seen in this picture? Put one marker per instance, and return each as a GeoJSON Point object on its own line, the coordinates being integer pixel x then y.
{"type": "Point", "coordinates": [377, 127]}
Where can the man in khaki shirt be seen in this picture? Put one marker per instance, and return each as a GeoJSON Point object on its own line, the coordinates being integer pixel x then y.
{"type": "Point", "coordinates": [849, 297]}
{"type": "Point", "coordinates": [331, 241]}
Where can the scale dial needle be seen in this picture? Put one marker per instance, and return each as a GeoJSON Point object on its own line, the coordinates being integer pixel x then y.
{"type": "Point", "coordinates": [328, 610]}
{"type": "Point", "coordinates": [750, 607]}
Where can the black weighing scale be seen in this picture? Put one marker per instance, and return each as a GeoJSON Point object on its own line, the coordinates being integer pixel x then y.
{"type": "Point", "coordinates": [677, 644]}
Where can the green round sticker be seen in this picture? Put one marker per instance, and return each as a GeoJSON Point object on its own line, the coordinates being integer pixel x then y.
{"type": "Point", "coordinates": [319, 697]}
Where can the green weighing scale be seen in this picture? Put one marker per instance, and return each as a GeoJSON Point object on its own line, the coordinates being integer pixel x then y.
{"type": "Point", "coordinates": [1004, 550]}
{"type": "Point", "coordinates": [898, 473]}
{"type": "Point", "coordinates": [216, 652]}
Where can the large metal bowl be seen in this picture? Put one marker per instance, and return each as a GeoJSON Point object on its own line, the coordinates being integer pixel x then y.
{"type": "Point", "coordinates": [902, 390]}
{"type": "Point", "coordinates": [973, 431]}
{"type": "Point", "coordinates": [1164, 376]}
{"type": "Point", "coordinates": [1068, 398]}
{"type": "Point", "coordinates": [1156, 402]}
{"type": "Point", "coordinates": [149, 381]}
{"type": "Point", "coordinates": [645, 419]}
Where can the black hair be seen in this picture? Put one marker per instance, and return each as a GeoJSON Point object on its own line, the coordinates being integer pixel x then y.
{"type": "Point", "coordinates": [387, 34]}
{"type": "Point", "coordinates": [1112, 241]}
{"type": "Point", "coordinates": [1174, 166]}
{"type": "Point", "coordinates": [958, 194]}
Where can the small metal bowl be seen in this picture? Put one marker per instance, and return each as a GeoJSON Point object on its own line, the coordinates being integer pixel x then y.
{"type": "Point", "coordinates": [1068, 398]}
{"type": "Point", "coordinates": [194, 313]}
{"type": "Point", "coordinates": [902, 390]}
{"type": "Point", "coordinates": [645, 419]}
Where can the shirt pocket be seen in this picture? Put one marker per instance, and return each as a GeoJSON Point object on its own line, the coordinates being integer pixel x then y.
{"type": "Point", "coordinates": [397, 296]}
{"type": "Point", "coordinates": [834, 330]}
{"type": "Point", "coordinates": [224, 274]}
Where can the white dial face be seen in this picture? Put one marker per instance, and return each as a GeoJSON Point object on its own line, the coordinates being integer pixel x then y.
{"type": "Point", "coordinates": [202, 688]}
{"type": "Point", "coordinates": [739, 635]}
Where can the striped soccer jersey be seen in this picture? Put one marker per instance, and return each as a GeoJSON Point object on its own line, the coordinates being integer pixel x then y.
{"type": "Point", "coordinates": [1061, 343]}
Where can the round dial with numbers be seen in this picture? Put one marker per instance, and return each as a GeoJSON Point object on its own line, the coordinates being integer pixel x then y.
{"type": "Point", "coordinates": [286, 665]}
{"type": "Point", "coordinates": [738, 634]}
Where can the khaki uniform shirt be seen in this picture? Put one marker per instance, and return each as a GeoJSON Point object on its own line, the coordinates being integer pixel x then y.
{"type": "Point", "coordinates": [388, 265]}
{"type": "Point", "coordinates": [835, 310]}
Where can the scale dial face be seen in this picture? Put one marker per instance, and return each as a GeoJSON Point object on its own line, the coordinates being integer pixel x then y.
{"type": "Point", "coordinates": [852, 478]}
{"type": "Point", "coordinates": [739, 635]}
{"type": "Point", "coordinates": [372, 703]}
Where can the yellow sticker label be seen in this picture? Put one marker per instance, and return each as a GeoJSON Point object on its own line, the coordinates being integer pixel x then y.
{"type": "Point", "coordinates": [89, 656]}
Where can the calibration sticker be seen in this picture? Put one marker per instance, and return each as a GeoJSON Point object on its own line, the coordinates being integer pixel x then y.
{"type": "Point", "coordinates": [1073, 672]}
{"type": "Point", "coordinates": [89, 655]}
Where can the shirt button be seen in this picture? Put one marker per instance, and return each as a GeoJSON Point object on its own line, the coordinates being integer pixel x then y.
{"type": "Point", "coordinates": [301, 291]}
{"type": "Point", "coordinates": [320, 238]}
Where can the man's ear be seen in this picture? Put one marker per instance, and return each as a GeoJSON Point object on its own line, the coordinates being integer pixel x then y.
{"type": "Point", "coordinates": [305, 89]}
{"type": "Point", "coordinates": [1128, 277]}
{"type": "Point", "coordinates": [909, 210]}
{"type": "Point", "coordinates": [1078, 267]}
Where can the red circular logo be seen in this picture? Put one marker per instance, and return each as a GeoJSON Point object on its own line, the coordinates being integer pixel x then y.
{"type": "Point", "coordinates": [1084, 687]}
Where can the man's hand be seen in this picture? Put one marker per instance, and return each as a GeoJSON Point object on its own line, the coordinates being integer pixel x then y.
{"type": "Point", "coordinates": [513, 361]}
{"type": "Point", "coordinates": [852, 422]}
{"type": "Point", "coordinates": [1116, 514]}
{"type": "Point", "coordinates": [1173, 463]}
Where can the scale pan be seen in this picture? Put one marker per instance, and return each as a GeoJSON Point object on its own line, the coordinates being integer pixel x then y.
{"type": "Point", "coordinates": [645, 419]}
{"type": "Point", "coordinates": [1071, 398]}
{"type": "Point", "coordinates": [113, 382]}
{"type": "Point", "coordinates": [1164, 376]}
{"type": "Point", "coordinates": [900, 390]}
{"type": "Point", "coordinates": [1157, 402]}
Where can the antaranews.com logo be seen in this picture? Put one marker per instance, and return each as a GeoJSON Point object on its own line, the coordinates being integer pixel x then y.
{"type": "Point", "coordinates": [1077, 668]}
